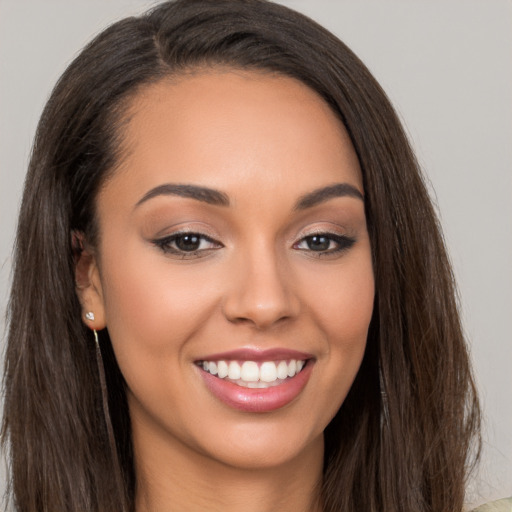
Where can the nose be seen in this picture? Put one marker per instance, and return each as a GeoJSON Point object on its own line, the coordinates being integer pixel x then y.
{"type": "Point", "coordinates": [260, 292]}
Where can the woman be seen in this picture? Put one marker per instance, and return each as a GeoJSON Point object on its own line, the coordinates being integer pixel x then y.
{"type": "Point", "coordinates": [230, 289]}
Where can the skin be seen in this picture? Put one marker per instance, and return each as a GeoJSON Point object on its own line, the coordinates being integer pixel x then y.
{"type": "Point", "coordinates": [264, 141]}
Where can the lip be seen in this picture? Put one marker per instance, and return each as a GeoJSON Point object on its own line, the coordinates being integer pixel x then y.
{"type": "Point", "coordinates": [251, 354]}
{"type": "Point", "coordinates": [258, 400]}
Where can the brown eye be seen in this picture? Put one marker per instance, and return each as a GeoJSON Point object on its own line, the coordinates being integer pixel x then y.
{"type": "Point", "coordinates": [318, 243]}
{"type": "Point", "coordinates": [324, 243]}
{"type": "Point", "coordinates": [188, 242]}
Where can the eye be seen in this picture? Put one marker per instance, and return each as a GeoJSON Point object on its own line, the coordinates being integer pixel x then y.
{"type": "Point", "coordinates": [324, 243]}
{"type": "Point", "coordinates": [186, 244]}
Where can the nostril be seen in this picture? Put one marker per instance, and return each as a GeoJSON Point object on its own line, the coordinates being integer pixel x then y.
{"type": "Point", "coordinates": [259, 317]}
{"type": "Point", "coordinates": [261, 314]}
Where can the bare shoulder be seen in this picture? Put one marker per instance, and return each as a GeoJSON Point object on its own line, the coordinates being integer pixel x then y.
{"type": "Point", "coordinates": [504, 505]}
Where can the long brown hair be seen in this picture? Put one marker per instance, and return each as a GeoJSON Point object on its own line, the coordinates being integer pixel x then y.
{"type": "Point", "coordinates": [403, 438]}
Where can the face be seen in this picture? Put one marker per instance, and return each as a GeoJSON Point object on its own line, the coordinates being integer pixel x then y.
{"type": "Point", "coordinates": [233, 271]}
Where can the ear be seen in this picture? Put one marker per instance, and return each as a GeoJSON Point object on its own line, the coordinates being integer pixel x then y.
{"type": "Point", "coordinates": [88, 284]}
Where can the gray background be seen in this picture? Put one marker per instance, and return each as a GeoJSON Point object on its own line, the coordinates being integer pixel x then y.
{"type": "Point", "coordinates": [446, 66]}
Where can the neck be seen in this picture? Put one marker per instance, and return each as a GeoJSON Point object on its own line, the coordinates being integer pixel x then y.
{"type": "Point", "coordinates": [172, 477]}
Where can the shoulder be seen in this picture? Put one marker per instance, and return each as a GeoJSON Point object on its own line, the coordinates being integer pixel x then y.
{"type": "Point", "coordinates": [504, 505]}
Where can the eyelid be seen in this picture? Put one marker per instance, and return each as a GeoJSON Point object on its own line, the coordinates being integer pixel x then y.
{"type": "Point", "coordinates": [329, 229]}
{"type": "Point", "coordinates": [330, 236]}
{"type": "Point", "coordinates": [185, 225]}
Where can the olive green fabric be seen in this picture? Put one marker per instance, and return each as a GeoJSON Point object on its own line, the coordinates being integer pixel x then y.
{"type": "Point", "coordinates": [504, 505]}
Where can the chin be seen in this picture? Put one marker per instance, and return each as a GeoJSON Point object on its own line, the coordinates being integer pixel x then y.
{"type": "Point", "coordinates": [267, 451]}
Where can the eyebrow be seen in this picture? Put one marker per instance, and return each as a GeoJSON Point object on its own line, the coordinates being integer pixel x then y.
{"type": "Point", "coordinates": [203, 194]}
{"type": "Point", "coordinates": [323, 194]}
{"type": "Point", "coordinates": [218, 198]}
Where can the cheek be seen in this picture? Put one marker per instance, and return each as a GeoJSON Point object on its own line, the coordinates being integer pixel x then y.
{"type": "Point", "coordinates": [352, 313]}
{"type": "Point", "coordinates": [342, 301]}
{"type": "Point", "coordinates": [342, 306]}
{"type": "Point", "coordinates": [152, 308]}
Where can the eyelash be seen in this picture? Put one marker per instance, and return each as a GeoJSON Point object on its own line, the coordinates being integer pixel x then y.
{"type": "Point", "coordinates": [343, 243]}
{"type": "Point", "coordinates": [168, 244]}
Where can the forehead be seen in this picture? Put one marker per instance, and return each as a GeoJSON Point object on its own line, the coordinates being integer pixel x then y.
{"type": "Point", "coordinates": [222, 126]}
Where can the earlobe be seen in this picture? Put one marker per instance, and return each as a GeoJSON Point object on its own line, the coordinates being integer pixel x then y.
{"type": "Point", "coordinates": [88, 285]}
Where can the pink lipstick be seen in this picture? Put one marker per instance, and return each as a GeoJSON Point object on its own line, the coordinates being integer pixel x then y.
{"type": "Point", "coordinates": [255, 380]}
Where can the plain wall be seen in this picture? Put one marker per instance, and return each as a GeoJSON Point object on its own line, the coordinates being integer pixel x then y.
{"type": "Point", "coordinates": [447, 67]}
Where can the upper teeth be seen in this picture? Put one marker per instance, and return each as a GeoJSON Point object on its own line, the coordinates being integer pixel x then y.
{"type": "Point", "coordinates": [252, 372]}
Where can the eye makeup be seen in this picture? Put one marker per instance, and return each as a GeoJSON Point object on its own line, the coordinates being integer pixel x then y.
{"type": "Point", "coordinates": [191, 231]}
{"type": "Point", "coordinates": [187, 244]}
{"type": "Point", "coordinates": [324, 244]}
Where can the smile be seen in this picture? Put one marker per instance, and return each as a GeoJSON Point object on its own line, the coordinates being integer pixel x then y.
{"type": "Point", "coordinates": [254, 380]}
{"type": "Point", "coordinates": [252, 374]}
